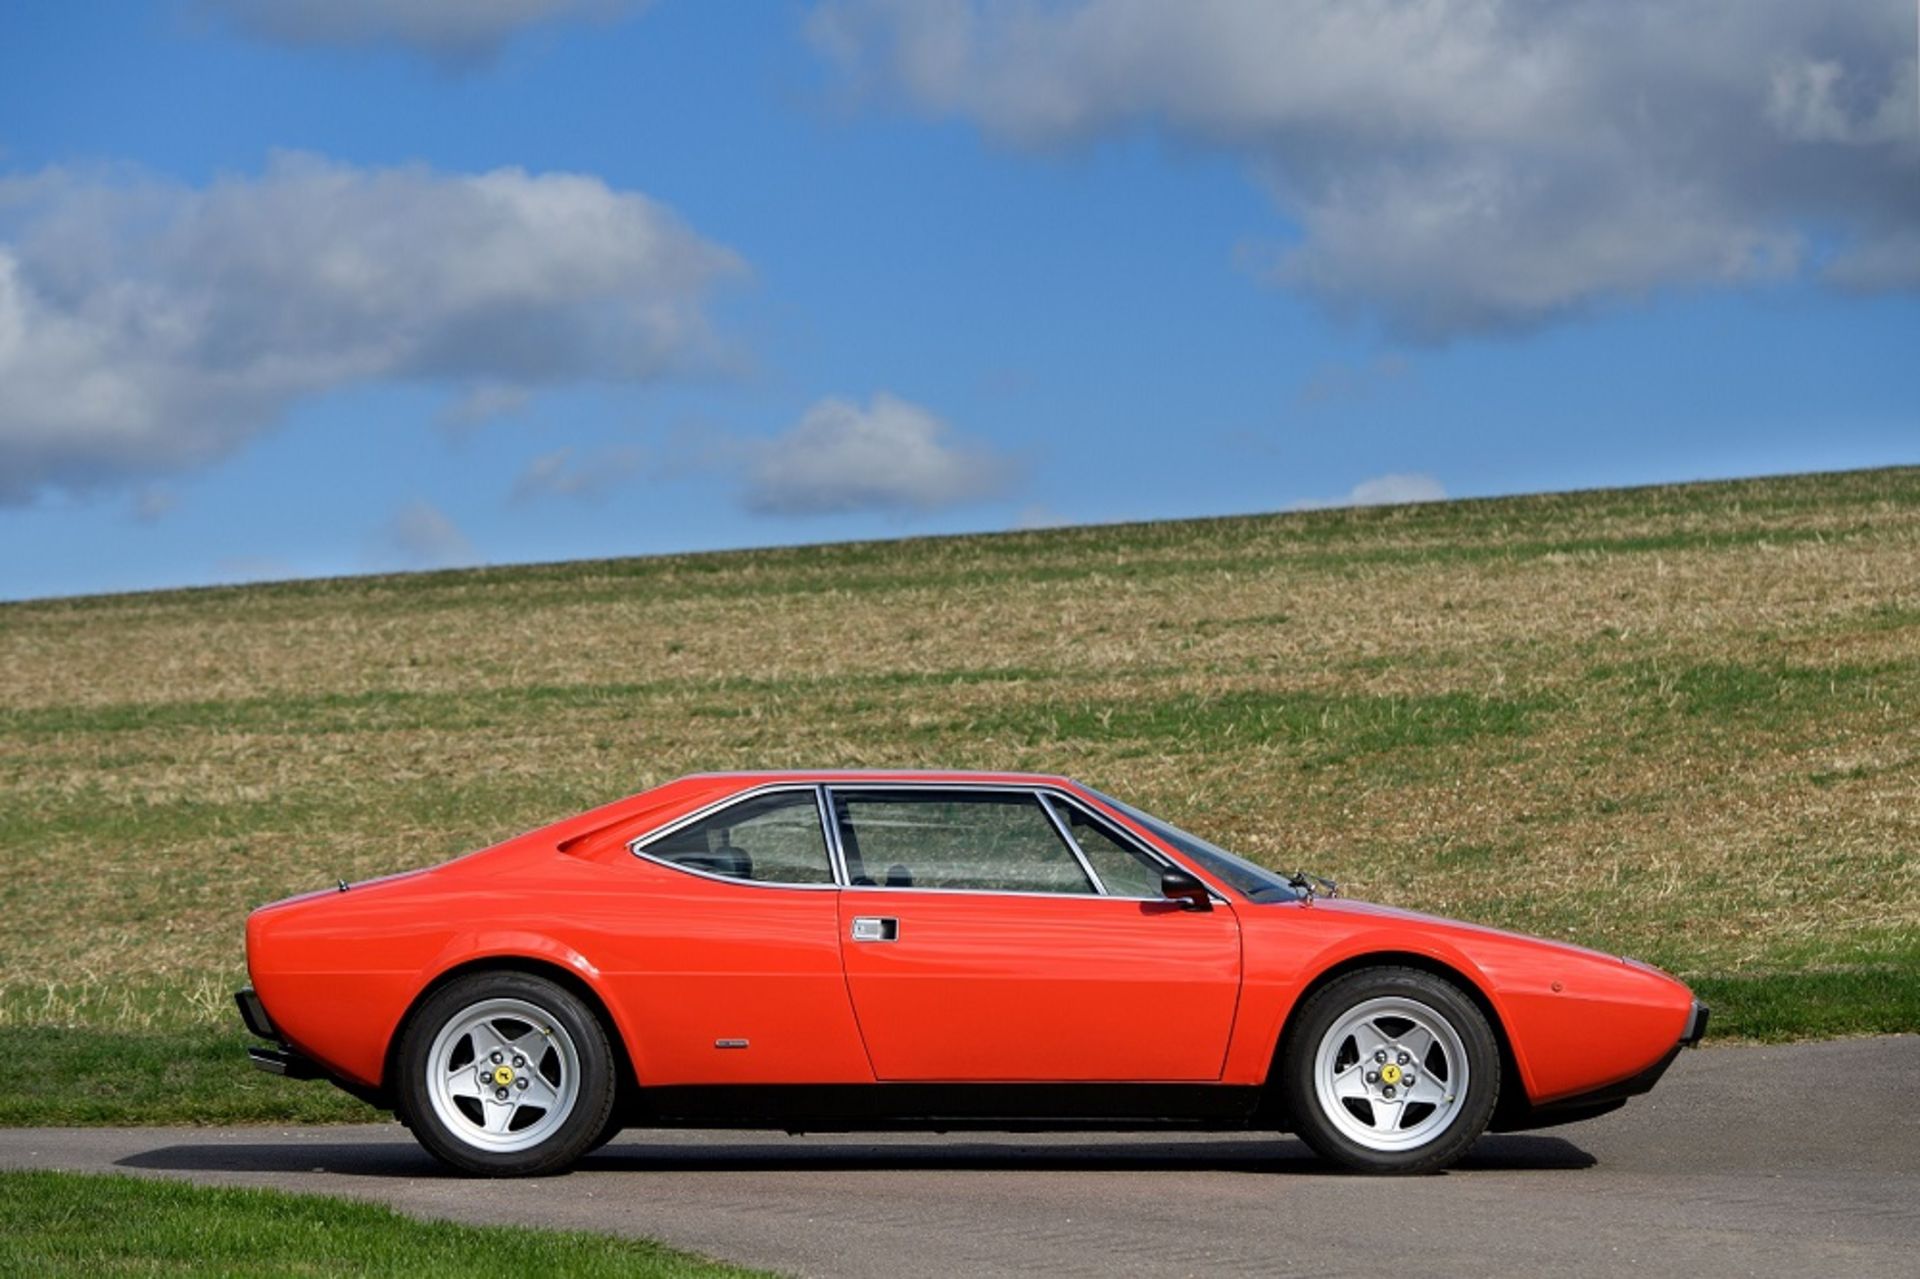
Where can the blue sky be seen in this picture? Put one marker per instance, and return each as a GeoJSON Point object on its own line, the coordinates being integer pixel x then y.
{"type": "Point", "coordinates": [291, 288]}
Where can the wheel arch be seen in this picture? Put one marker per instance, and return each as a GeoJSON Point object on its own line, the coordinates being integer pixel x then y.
{"type": "Point", "coordinates": [626, 1076]}
{"type": "Point", "coordinates": [1513, 1092]}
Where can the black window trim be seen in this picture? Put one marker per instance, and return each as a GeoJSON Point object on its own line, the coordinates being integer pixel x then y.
{"type": "Point", "coordinates": [1036, 793]}
{"type": "Point", "coordinates": [829, 815]}
{"type": "Point", "coordinates": [1123, 836]}
{"type": "Point", "coordinates": [1206, 873]}
{"type": "Point", "coordinates": [638, 845]}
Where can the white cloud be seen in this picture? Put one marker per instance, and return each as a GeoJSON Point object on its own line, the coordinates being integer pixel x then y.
{"type": "Point", "coordinates": [565, 473]}
{"type": "Point", "coordinates": [1335, 382]}
{"type": "Point", "coordinates": [1038, 515]}
{"type": "Point", "coordinates": [1393, 490]}
{"type": "Point", "coordinates": [454, 32]}
{"type": "Point", "coordinates": [422, 536]}
{"type": "Point", "coordinates": [147, 326]}
{"type": "Point", "coordinates": [1888, 264]}
{"type": "Point", "coordinates": [154, 503]}
{"type": "Point", "coordinates": [889, 455]}
{"type": "Point", "coordinates": [1382, 490]}
{"type": "Point", "coordinates": [1459, 166]}
{"type": "Point", "coordinates": [483, 404]}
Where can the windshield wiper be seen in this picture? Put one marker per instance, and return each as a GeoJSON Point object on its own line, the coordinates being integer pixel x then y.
{"type": "Point", "coordinates": [1311, 885]}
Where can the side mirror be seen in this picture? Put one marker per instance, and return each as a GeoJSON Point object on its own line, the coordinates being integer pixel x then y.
{"type": "Point", "coordinates": [1180, 886]}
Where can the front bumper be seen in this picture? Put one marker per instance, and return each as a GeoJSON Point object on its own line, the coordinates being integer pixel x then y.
{"type": "Point", "coordinates": [1696, 1025]}
{"type": "Point", "coordinates": [1588, 1105]}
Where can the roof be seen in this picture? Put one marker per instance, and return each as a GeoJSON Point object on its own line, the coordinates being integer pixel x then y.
{"type": "Point", "coordinates": [761, 776]}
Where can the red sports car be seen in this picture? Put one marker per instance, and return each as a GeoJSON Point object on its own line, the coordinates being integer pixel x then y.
{"type": "Point", "coordinates": [852, 951]}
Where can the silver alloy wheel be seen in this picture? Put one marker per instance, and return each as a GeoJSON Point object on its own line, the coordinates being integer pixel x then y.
{"type": "Point", "coordinates": [503, 1075]}
{"type": "Point", "coordinates": [1391, 1074]}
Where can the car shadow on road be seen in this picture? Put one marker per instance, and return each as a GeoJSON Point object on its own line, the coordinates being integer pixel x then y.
{"type": "Point", "coordinates": [340, 1159]}
{"type": "Point", "coordinates": [1269, 1155]}
{"type": "Point", "coordinates": [1508, 1153]}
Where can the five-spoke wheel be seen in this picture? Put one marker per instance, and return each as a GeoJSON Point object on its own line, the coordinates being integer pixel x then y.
{"type": "Point", "coordinates": [1390, 1070]}
{"type": "Point", "coordinates": [506, 1074]}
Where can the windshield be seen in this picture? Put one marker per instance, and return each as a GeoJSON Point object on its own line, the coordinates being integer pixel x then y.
{"type": "Point", "coordinates": [1257, 883]}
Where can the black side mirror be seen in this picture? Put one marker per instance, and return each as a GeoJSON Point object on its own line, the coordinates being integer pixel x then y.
{"type": "Point", "coordinates": [1180, 886]}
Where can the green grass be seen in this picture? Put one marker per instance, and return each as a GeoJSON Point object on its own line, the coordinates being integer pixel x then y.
{"type": "Point", "coordinates": [1862, 1000]}
{"type": "Point", "coordinates": [1327, 728]}
{"type": "Point", "coordinates": [55, 1225]}
{"type": "Point", "coordinates": [197, 1075]}
{"type": "Point", "coordinates": [1671, 722]}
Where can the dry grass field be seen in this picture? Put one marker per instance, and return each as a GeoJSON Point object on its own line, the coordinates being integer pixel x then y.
{"type": "Point", "coordinates": [1676, 722]}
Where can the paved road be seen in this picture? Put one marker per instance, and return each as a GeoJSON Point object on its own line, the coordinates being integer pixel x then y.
{"type": "Point", "coordinates": [1801, 1160]}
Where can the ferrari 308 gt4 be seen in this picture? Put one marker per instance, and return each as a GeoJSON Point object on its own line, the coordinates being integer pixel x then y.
{"type": "Point", "coordinates": [840, 951]}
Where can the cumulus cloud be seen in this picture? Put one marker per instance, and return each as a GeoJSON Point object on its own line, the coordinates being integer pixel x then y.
{"type": "Point", "coordinates": [888, 455]}
{"type": "Point", "coordinates": [147, 326]}
{"type": "Point", "coordinates": [420, 535]}
{"type": "Point", "coordinates": [568, 473]}
{"type": "Point", "coordinates": [1460, 166]}
{"type": "Point", "coordinates": [456, 32]}
{"type": "Point", "coordinates": [1383, 490]}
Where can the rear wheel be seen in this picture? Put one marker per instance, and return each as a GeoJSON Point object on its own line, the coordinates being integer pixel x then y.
{"type": "Point", "coordinates": [608, 1131]}
{"type": "Point", "coordinates": [1391, 1070]}
{"type": "Point", "coordinates": [506, 1074]}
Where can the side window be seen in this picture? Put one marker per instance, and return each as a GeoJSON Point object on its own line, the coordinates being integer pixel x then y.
{"type": "Point", "coordinates": [986, 841]}
{"type": "Point", "coordinates": [1124, 869]}
{"type": "Point", "coordinates": [772, 839]}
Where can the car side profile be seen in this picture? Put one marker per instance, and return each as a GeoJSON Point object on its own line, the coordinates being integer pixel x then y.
{"type": "Point", "coordinates": [842, 951]}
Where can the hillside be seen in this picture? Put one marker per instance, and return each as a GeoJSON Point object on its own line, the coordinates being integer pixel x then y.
{"type": "Point", "coordinates": [1676, 722]}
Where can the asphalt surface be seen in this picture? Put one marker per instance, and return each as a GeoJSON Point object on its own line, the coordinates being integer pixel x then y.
{"type": "Point", "coordinates": [1797, 1160]}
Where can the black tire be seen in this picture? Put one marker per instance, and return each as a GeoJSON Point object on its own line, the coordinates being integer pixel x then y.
{"type": "Point", "coordinates": [572, 1127]}
{"type": "Point", "coordinates": [611, 1129]}
{"type": "Point", "coordinates": [1457, 1122]}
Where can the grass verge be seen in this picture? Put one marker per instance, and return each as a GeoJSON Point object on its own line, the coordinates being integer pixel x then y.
{"type": "Point", "coordinates": [194, 1076]}
{"type": "Point", "coordinates": [54, 1225]}
{"type": "Point", "coordinates": [1781, 1006]}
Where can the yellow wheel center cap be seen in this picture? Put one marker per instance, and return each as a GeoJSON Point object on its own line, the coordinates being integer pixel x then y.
{"type": "Point", "coordinates": [502, 1076]}
{"type": "Point", "coordinates": [1389, 1074]}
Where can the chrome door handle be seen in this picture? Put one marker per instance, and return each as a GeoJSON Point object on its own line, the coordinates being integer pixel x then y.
{"type": "Point", "coordinates": [875, 928]}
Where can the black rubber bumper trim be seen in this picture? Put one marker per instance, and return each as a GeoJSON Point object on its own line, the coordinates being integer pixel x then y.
{"type": "Point", "coordinates": [254, 1013]}
{"type": "Point", "coordinates": [281, 1061]}
{"type": "Point", "coordinates": [1696, 1025]}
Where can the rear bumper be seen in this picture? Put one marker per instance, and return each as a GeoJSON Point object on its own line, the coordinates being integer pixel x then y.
{"type": "Point", "coordinates": [284, 1062]}
{"type": "Point", "coordinates": [1588, 1105]}
{"type": "Point", "coordinates": [280, 1060]}
{"type": "Point", "coordinates": [254, 1013]}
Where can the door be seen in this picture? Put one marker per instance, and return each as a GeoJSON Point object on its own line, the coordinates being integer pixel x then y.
{"type": "Point", "coordinates": [727, 955]}
{"type": "Point", "coordinates": [979, 948]}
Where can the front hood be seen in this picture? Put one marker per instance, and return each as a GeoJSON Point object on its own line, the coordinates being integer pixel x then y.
{"type": "Point", "coordinates": [1459, 928]}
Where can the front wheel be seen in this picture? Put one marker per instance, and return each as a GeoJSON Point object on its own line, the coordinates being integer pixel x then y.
{"type": "Point", "coordinates": [1390, 1070]}
{"type": "Point", "coordinates": [505, 1075]}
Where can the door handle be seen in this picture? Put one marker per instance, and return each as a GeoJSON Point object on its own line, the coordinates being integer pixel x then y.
{"type": "Point", "coordinates": [875, 928]}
